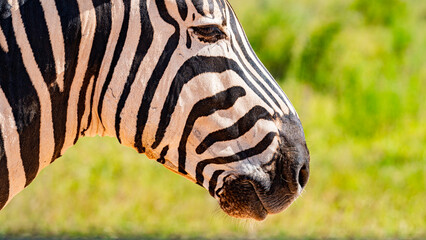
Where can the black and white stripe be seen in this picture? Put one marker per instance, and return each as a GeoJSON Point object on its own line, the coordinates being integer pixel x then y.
{"type": "Point", "coordinates": [144, 71]}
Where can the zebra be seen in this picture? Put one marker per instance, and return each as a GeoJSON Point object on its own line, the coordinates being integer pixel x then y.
{"type": "Point", "coordinates": [176, 80]}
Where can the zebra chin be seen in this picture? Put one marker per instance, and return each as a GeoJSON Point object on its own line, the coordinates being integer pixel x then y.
{"type": "Point", "coordinates": [242, 197]}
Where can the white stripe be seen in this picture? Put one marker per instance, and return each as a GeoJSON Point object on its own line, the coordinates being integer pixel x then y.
{"type": "Point", "coordinates": [3, 42]}
{"type": "Point", "coordinates": [47, 141]}
{"type": "Point", "coordinates": [217, 10]}
{"type": "Point", "coordinates": [56, 39]}
{"type": "Point", "coordinates": [219, 183]}
{"type": "Point", "coordinates": [117, 15]}
{"type": "Point", "coordinates": [17, 177]}
{"type": "Point", "coordinates": [206, 9]}
{"type": "Point", "coordinates": [87, 110]}
{"type": "Point", "coordinates": [88, 27]}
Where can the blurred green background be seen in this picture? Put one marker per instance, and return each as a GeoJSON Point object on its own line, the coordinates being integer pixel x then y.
{"type": "Point", "coordinates": [356, 72]}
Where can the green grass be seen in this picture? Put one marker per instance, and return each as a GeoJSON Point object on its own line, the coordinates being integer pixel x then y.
{"type": "Point", "coordinates": [356, 73]}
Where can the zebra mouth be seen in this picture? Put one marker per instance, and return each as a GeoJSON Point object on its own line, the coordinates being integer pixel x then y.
{"type": "Point", "coordinates": [242, 197]}
{"type": "Point", "coordinates": [238, 198]}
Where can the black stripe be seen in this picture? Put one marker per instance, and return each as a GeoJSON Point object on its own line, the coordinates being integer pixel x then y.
{"type": "Point", "coordinates": [239, 42]}
{"type": "Point", "coordinates": [4, 174]}
{"type": "Point", "coordinates": [258, 149]}
{"type": "Point", "coordinates": [206, 107]}
{"type": "Point", "coordinates": [190, 69]}
{"type": "Point", "coordinates": [213, 181]}
{"type": "Point", "coordinates": [71, 31]}
{"type": "Point", "coordinates": [163, 154]}
{"type": "Point", "coordinates": [188, 40]}
{"type": "Point", "coordinates": [38, 36]}
{"type": "Point", "coordinates": [199, 6]}
{"type": "Point", "coordinates": [183, 9]}
{"type": "Point", "coordinates": [22, 97]}
{"type": "Point", "coordinates": [157, 74]}
{"type": "Point", "coordinates": [97, 53]}
{"type": "Point", "coordinates": [145, 41]}
{"type": "Point", "coordinates": [242, 126]}
{"type": "Point", "coordinates": [117, 52]}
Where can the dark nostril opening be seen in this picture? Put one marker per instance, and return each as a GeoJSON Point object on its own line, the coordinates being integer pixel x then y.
{"type": "Point", "coordinates": [303, 176]}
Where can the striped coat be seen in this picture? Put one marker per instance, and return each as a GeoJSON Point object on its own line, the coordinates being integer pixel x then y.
{"type": "Point", "coordinates": [174, 79]}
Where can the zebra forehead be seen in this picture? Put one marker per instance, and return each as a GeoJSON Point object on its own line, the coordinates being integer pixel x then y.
{"type": "Point", "coordinates": [205, 8]}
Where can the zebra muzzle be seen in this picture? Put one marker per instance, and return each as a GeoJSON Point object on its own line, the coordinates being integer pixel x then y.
{"type": "Point", "coordinates": [238, 198]}
{"type": "Point", "coordinates": [242, 196]}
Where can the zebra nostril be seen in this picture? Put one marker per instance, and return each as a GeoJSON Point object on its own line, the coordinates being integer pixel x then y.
{"type": "Point", "coordinates": [303, 175]}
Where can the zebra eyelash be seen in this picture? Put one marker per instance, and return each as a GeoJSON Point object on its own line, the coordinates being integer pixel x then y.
{"type": "Point", "coordinates": [209, 33]}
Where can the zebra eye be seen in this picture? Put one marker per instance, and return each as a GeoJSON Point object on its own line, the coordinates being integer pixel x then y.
{"type": "Point", "coordinates": [209, 33]}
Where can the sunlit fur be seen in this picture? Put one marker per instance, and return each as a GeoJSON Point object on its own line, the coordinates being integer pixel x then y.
{"type": "Point", "coordinates": [203, 106]}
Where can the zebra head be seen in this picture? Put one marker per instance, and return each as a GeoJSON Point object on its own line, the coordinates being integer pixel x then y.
{"type": "Point", "coordinates": [205, 107]}
{"type": "Point", "coordinates": [175, 79]}
{"type": "Point", "coordinates": [211, 111]}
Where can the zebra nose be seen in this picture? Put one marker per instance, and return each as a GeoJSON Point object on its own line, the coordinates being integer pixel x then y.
{"type": "Point", "coordinates": [300, 170]}
{"type": "Point", "coordinates": [303, 174]}
{"type": "Point", "coordinates": [296, 171]}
